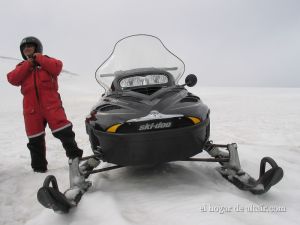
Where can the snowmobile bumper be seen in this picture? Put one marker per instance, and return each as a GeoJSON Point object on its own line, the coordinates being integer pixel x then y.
{"type": "Point", "coordinates": [153, 147]}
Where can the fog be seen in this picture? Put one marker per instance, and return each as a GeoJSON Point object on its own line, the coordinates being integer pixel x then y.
{"type": "Point", "coordinates": [225, 43]}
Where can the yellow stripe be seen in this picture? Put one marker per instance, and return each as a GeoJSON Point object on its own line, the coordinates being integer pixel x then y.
{"type": "Point", "coordinates": [194, 119]}
{"type": "Point", "coordinates": [113, 128]}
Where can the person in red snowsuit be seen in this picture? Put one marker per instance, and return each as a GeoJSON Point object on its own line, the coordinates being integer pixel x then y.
{"type": "Point", "coordinates": [37, 75]}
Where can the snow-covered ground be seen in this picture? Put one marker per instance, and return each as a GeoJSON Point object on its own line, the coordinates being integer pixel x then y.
{"type": "Point", "coordinates": [263, 121]}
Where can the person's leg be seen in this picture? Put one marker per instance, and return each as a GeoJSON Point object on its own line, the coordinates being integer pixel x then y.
{"type": "Point", "coordinates": [37, 148]}
{"type": "Point", "coordinates": [61, 128]}
{"type": "Point", "coordinates": [67, 137]}
{"type": "Point", "coordinates": [35, 129]}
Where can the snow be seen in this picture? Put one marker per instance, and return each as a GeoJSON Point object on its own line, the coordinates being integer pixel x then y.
{"type": "Point", "coordinates": [262, 121]}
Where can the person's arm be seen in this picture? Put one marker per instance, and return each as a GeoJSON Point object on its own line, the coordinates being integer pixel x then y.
{"type": "Point", "coordinates": [21, 71]}
{"type": "Point", "coordinates": [51, 65]}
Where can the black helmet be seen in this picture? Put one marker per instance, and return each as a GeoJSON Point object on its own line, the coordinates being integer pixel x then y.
{"type": "Point", "coordinates": [31, 40]}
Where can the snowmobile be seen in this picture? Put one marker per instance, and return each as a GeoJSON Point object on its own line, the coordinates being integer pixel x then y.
{"type": "Point", "coordinates": [145, 117]}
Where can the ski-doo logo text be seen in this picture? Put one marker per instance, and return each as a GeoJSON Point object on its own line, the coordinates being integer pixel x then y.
{"type": "Point", "coordinates": [151, 126]}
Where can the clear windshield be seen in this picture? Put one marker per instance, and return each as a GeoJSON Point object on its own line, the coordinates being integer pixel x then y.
{"type": "Point", "coordinates": [139, 52]}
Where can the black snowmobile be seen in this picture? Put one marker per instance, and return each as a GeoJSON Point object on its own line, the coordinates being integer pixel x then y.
{"type": "Point", "coordinates": [145, 118]}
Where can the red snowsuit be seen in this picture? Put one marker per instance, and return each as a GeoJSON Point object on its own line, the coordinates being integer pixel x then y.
{"type": "Point", "coordinates": [41, 103]}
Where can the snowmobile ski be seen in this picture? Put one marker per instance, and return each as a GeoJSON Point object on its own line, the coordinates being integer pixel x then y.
{"type": "Point", "coordinates": [49, 194]}
{"type": "Point", "coordinates": [52, 198]}
{"type": "Point", "coordinates": [244, 181]}
{"type": "Point", "coordinates": [233, 172]}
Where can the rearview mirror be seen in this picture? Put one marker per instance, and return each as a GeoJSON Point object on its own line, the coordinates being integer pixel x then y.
{"type": "Point", "coordinates": [191, 80]}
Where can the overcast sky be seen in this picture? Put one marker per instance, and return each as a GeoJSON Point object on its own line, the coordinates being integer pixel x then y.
{"type": "Point", "coordinates": [223, 42]}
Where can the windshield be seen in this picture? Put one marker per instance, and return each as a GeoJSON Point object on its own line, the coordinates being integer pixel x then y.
{"type": "Point", "coordinates": [139, 52]}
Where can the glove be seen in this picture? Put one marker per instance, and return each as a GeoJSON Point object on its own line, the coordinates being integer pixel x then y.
{"type": "Point", "coordinates": [36, 54]}
{"type": "Point", "coordinates": [31, 59]}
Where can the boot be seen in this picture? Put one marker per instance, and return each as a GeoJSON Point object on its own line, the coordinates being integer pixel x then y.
{"type": "Point", "coordinates": [67, 137]}
{"type": "Point", "coordinates": [37, 150]}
